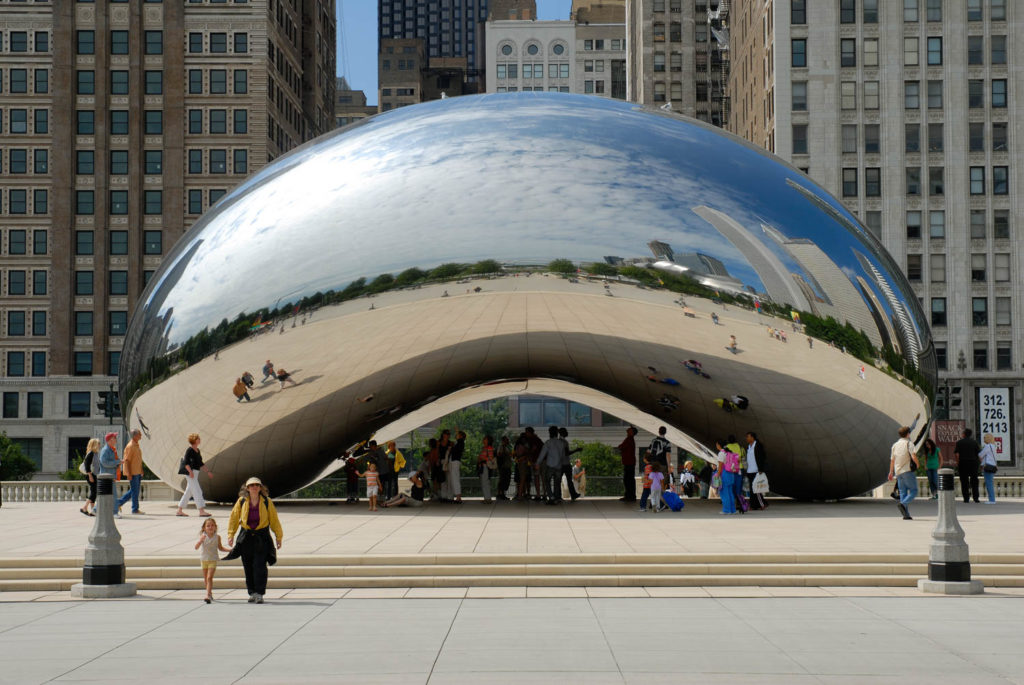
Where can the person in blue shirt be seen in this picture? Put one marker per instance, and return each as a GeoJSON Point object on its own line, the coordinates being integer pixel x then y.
{"type": "Point", "coordinates": [109, 461]}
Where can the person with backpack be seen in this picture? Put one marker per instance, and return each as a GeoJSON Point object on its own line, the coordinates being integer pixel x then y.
{"type": "Point", "coordinates": [255, 513]}
{"type": "Point", "coordinates": [728, 471]}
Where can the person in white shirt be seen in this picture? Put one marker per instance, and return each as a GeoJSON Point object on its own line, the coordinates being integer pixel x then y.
{"type": "Point", "coordinates": [903, 464]}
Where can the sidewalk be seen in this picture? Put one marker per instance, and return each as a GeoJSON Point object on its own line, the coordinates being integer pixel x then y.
{"type": "Point", "coordinates": [867, 640]}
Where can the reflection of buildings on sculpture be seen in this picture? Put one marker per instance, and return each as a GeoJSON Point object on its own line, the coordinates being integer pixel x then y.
{"type": "Point", "coordinates": [774, 275]}
{"type": "Point", "coordinates": [883, 322]}
{"type": "Point", "coordinates": [907, 332]}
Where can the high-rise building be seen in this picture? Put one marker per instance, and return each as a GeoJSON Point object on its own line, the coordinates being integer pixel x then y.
{"type": "Point", "coordinates": [123, 123]}
{"type": "Point", "coordinates": [678, 56]}
{"type": "Point", "coordinates": [452, 36]}
{"type": "Point", "coordinates": [350, 105]}
{"type": "Point", "coordinates": [903, 110]}
{"type": "Point", "coordinates": [600, 47]}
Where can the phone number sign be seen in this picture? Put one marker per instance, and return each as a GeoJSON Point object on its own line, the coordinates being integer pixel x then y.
{"type": "Point", "coordinates": [995, 416]}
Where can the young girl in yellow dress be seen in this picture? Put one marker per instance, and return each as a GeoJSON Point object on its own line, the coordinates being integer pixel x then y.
{"type": "Point", "coordinates": [208, 544]}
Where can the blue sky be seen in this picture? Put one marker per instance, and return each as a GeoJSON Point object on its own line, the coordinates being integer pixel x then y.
{"type": "Point", "coordinates": [357, 39]}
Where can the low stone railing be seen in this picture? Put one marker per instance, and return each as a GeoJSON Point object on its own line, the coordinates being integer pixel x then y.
{"type": "Point", "coordinates": [73, 490]}
{"type": "Point", "coordinates": [1006, 486]}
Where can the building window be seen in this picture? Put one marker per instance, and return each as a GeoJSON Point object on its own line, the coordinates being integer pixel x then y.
{"type": "Point", "coordinates": [1000, 136]}
{"type": "Point", "coordinates": [84, 202]}
{"type": "Point", "coordinates": [935, 137]}
{"type": "Point", "coordinates": [86, 42]}
{"type": "Point", "coordinates": [975, 49]}
{"type": "Point", "coordinates": [118, 42]}
{"type": "Point", "coordinates": [218, 161]}
{"type": "Point", "coordinates": [154, 160]}
{"type": "Point", "coordinates": [910, 10]}
{"type": "Point", "coordinates": [870, 11]}
{"type": "Point", "coordinates": [241, 121]}
{"type": "Point", "coordinates": [999, 93]}
{"type": "Point", "coordinates": [154, 122]}
{"type": "Point", "coordinates": [938, 311]}
{"type": "Point", "coordinates": [195, 82]}
{"type": "Point", "coordinates": [15, 364]}
{"type": "Point", "coordinates": [871, 52]}
{"type": "Point", "coordinates": [39, 321]}
{"type": "Point", "coordinates": [872, 182]}
{"type": "Point", "coordinates": [935, 95]}
{"type": "Point", "coordinates": [914, 268]}
{"type": "Point", "coordinates": [799, 95]}
{"type": "Point", "coordinates": [40, 161]}
{"type": "Point", "coordinates": [118, 282]}
{"type": "Point", "coordinates": [914, 225]}
{"type": "Point", "coordinates": [15, 322]}
{"type": "Point", "coordinates": [241, 162]}
{"type": "Point", "coordinates": [800, 139]}
{"type": "Point", "coordinates": [83, 323]}
{"type": "Point", "coordinates": [848, 134]}
{"type": "Point", "coordinates": [1003, 311]}
{"type": "Point", "coordinates": [998, 10]}
{"type": "Point", "coordinates": [934, 10]}
{"type": "Point", "coordinates": [798, 12]}
{"type": "Point", "coordinates": [34, 405]}
{"type": "Point", "coordinates": [934, 51]}
{"type": "Point", "coordinates": [873, 221]}
{"type": "Point", "coordinates": [974, 12]}
{"type": "Point", "coordinates": [15, 282]}
{"type": "Point", "coordinates": [241, 42]}
{"type": "Point", "coordinates": [119, 162]}
{"type": "Point", "coordinates": [998, 49]}
{"type": "Point", "coordinates": [42, 82]}
{"type": "Point", "coordinates": [119, 82]}
{"type": "Point", "coordinates": [114, 362]}
{"type": "Point", "coordinates": [978, 223]}
{"type": "Point", "coordinates": [195, 121]}
{"type": "Point", "coordinates": [847, 12]}
{"type": "Point", "coordinates": [119, 242]}
{"type": "Point", "coordinates": [241, 81]}
{"type": "Point", "coordinates": [1000, 180]}
{"type": "Point", "coordinates": [10, 410]}
{"type": "Point", "coordinates": [937, 224]}
{"type": "Point", "coordinates": [849, 182]}
{"type": "Point", "coordinates": [978, 268]}
{"type": "Point", "coordinates": [195, 161]}
{"type": "Point", "coordinates": [154, 42]}
{"type": "Point", "coordinates": [118, 323]}
{"type": "Point", "coordinates": [39, 241]}
{"type": "Point", "coordinates": [154, 82]}
{"type": "Point", "coordinates": [83, 242]}
{"type": "Point", "coordinates": [218, 121]}
{"type": "Point", "coordinates": [79, 404]}
{"type": "Point", "coordinates": [154, 202]}
{"type": "Point", "coordinates": [153, 242]}
{"type": "Point", "coordinates": [83, 363]}
{"type": "Point", "coordinates": [979, 311]}
{"type": "Point", "coordinates": [1001, 224]}
{"type": "Point", "coordinates": [195, 202]}
{"type": "Point", "coordinates": [1001, 267]}
{"type": "Point", "coordinates": [937, 267]}
{"type": "Point", "coordinates": [42, 120]}
{"type": "Point", "coordinates": [976, 93]}
{"type": "Point", "coordinates": [976, 137]}
{"type": "Point", "coordinates": [1004, 356]}
{"type": "Point", "coordinates": [118, 203]}
{"type": "Point", "coordinates": [977, 180]}
{"type": "Point", "coordinates": [911, 52]}
{"type": "Point", "coordinates": [980, 355]}
{"type": "Point", "coordinates": [218, 42]}
{"type": "Point", "coordinates": [936, 180]}
{"type": "Point", "coordinates": [799, 52]}
{"type": "Point", "coordinates": [847, 52]}
{"type": "Point", "coordinates": [86, 82]}
{"type": "Point", "coordinates": [39, 283]}
{"type": "Point", "coordinates": [913, 175]}
{"type": "Point", "coordinates": [195, 42]}
{"type": "Point", "coordinates": [911, 135]}
{"type": "Point", "coordinates": [848, 95]}
{"type": "Point", "coordinates": [871, 95]}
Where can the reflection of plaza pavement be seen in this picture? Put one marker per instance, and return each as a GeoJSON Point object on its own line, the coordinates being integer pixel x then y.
{"type": "Point", "coordinates": [415, 344]}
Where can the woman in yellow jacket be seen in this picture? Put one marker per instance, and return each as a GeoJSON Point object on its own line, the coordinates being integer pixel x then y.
{"type": "Point", "coordinates": [395, 455]}
{"type": "Point", "coordinates": [256, 514]}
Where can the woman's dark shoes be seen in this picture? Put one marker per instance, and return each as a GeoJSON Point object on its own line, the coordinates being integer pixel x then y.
{"type": "Point", "coordinates": [85, 512]}
{"type": "Point", "coordinates": [208, 600]}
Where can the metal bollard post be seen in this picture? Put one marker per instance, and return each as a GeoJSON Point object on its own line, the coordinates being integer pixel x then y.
{"type": "Point", "coordinates": [949, 561]}
{"type": "Point", "coordinates": [103, 572]}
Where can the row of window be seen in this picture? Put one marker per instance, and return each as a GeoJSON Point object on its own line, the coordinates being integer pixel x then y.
{"type": "Point", "coordinates": [999, 137]}
{"type": "Point", "coordinates": [531, 71]}
{"type": "Point", "coordinates": [979, 269]}
{"type": "Point", "coordinates": [117, 322]}
{"type": "Point", "coordinates": [936, 181]}
{"type": "Point", "coordinates": [979, 311]}
{"type": "Point", "coordinates": [17, 241]}
{"type": "Point", "coordinates": [85, 202]}
{"type": "Point", "coordinates": [17, 80]}
{"type": "Point", "coordinates": [85, 82]}
{"type": "Point", "coordinates": [33, 405]}
{"type": "Point", "coordinates": [82, 366]}
{"type": "Point", "coordinates": [18, 121]}
{"type": "Point", "coordinates": [17, 160]}
{"type": "Point", "coordinates": [17, 323]}
{"type": "Point", "coordinates": [912, 10]}
{"type": "Point", "coordinates": [85, 162]}
{"type": "Point", "coordinates": [152, 42]}
{"type": "Point", "coordinates": [532, 49]}
{"type": "Point", "coordinates": [217, 42]}
{"type": "Point", "coordinates": [17, 200]}
{"type": "Point", "coordinates": [528, 89]}
{"type": "Point", "coordinates": [1004, 356]}
{"type": "Point", "coordinates": [16, 279]}
{"type": "Point", "coordinates": [218, 81]}
{"type": "Point", "coordinates": [217, 161]}
{"type": "Point", "coordinates": [85, 243]}
{"type": "Point", "coordinates": [16, 363]}
{"type": "Point", "coordinates": [978, 224]}
{"type": "Point", "coordinates": [18, 41]}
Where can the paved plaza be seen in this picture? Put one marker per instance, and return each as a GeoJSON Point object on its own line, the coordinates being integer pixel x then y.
{"type": "Point", "coordinates": [306, 638]}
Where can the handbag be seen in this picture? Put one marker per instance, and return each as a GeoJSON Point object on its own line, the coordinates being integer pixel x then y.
{"type": "Point", "coordinates": [81, 468]}
{"type": "Point", "coordinates": [990, 468]}
{"type": "Point", "coordinates": [716, 481]}
{"type": "Point", "coordinates": [760, 484]}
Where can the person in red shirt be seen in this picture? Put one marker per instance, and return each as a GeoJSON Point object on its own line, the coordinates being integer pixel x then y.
{"type": "Point", "coordinates": [627, 450]}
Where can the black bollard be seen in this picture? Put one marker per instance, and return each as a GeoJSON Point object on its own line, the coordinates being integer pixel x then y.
{"type": "Point", "coordinates": [949, 560]}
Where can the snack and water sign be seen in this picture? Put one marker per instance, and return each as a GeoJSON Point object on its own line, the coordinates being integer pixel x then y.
{"type": "Point", "coordinates": [995, 416]}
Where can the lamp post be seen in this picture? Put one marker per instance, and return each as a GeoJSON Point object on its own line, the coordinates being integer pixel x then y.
{"type": "Point", "coordinates": [949, 561]}
{"type": "Point", "coordinates": [103, 572]}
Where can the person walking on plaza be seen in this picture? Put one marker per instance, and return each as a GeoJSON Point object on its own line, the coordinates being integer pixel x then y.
{"type": "Point", "coordinates": [931, 462]}
{"type": "Point", "coordinates": [455, 465]}
{"type": "Point", "coordinates": [109, 461]}
{"type": "Point", "coordinates": [729, 472]}
{"type": "Point", "coordinates": [132, 470]}
{"type": "Point", "coordinates": [91, 464]}
{"type": "Point", "coordinates": [563, 435]}
{"type": "Point", "coordinates": [579, 474]}
{"type": "Point", "coordinates": [657, 478]}
{"type": "Point", "coordinates": [484, 461]}
{"type": "Point", "coordinates": [241, 391]}
{"type": "Point", "coordinates": [191, 465]}
{"type": "Point", "coordinates": [372, 483]}
{"type": "Point", "coordinates": [534, 446]}
{"type": "Point", "coordinates": [757, 460]}
{"type": "Point", "coordinates": [550, 461]}
{"type": "Point", "coordinates": [627, 453]}
{"type": "Point", "coordinates": [256, 514]}
{"type": "Point", "coordinates": [285, 377]}
{"type": "Point", "coordinates": [903, 464]}
{"type": "Point", "coordinates": [660, 450]}
{"type": "Point", "coordinates": [987, 457]}
{"type": "Point", "coordinates": [968, 463]}
{"type": "Point", "coordinates": [208, 545]}
{"type": "Point", "coordinates": [504, 459]}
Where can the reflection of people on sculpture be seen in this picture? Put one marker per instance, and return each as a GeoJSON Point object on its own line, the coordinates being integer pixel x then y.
{"type": "Point", "coordinates": [248, 379]}
{"type": "Point", "coordinates": [241, 391]}
{"type": "Point", "coordinates": [714, 318]}
{"type": "Point", "coordinates": [285, 377]}
{"type": "Point", "coordinates": [268, 371]}
{"type": "Point", "coordinates": [732, 344]}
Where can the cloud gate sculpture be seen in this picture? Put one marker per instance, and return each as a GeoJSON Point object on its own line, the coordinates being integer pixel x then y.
{"type": "Point", "coordinates": [430, 257]}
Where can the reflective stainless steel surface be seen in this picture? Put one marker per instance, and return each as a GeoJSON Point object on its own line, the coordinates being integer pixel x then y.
{"type": "Point", "coordinates": [655, 210]}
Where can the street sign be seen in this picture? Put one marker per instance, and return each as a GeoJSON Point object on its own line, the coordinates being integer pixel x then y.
{"type": "Point", "coordinates": [995, 416]}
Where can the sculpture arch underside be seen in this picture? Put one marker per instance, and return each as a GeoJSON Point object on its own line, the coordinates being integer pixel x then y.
{"type": "Point", "coordinates": [631, 260]}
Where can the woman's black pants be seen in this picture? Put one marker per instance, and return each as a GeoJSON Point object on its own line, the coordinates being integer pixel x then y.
{"type": "Point", "coordinates": [255, 548]}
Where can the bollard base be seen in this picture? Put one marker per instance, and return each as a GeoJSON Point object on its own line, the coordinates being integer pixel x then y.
{"type": "Point", "coordinates": [948, 587]}
{"type": "Point", "coordinates": [103, 591]}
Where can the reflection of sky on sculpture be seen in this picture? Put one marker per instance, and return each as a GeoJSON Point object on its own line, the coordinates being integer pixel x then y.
{"type": "Point", "coordinates": [557, 175]}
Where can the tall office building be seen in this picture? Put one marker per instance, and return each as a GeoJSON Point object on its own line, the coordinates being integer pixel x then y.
{"type": "Point", "coordinates": [903, 111]}
{"type": "Point", "coordinates": [350, 105]}
{"type": "Point", "coordinates": [678, 55]}
{"type": "Point", "coordinates": [122, 123]}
